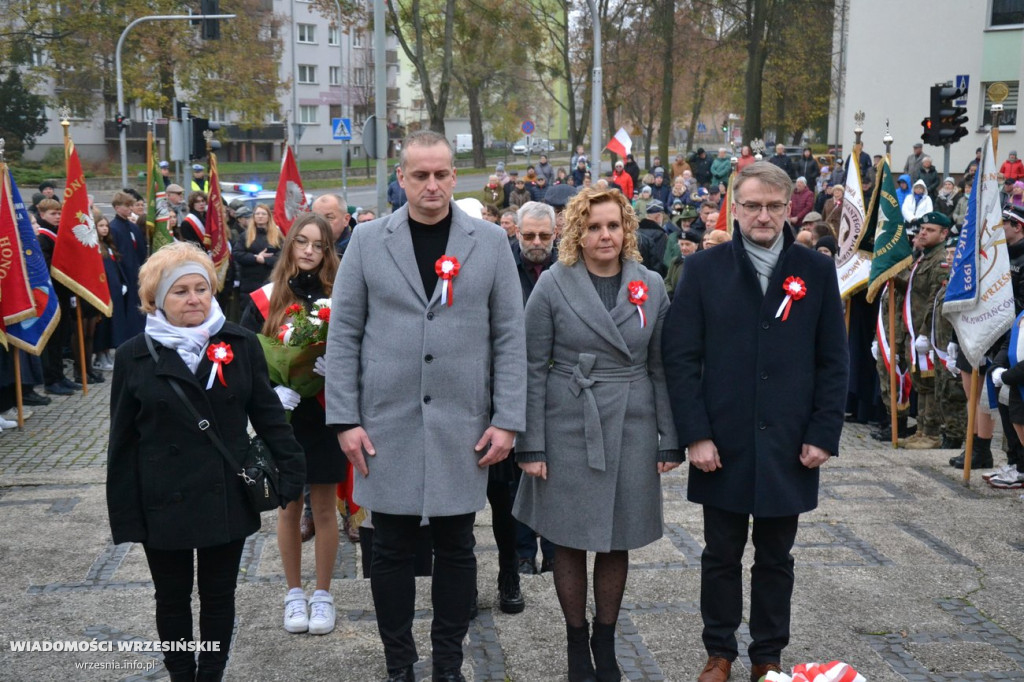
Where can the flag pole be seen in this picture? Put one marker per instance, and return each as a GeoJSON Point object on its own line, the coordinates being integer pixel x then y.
{"type": "Point", "coordinates": [893, 390]}
{"type": "Point", "coordinates": [83, 370]}
{"type": "Point", "coordinates": [149, 176]}
{"type": "Point", "coordinates": [972, 412]}
{"type": "Point", "coordinates": [18, 399]}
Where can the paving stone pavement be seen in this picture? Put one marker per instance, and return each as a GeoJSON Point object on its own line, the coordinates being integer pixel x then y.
{"type": "Point", "coordinates": [902, 572]}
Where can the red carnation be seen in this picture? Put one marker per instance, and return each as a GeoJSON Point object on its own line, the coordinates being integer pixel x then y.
{"type": "Point", "coordinates": [293, 308]}
{"type": "Point", "coordinates": [324, 314]}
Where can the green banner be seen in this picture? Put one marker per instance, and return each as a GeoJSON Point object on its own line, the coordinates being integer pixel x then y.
{"type": "Point", "coordinates": [893, 250]}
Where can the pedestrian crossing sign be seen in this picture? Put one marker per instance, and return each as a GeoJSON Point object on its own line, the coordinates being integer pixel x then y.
{"type": "Point", "coordinates": [342, 128]}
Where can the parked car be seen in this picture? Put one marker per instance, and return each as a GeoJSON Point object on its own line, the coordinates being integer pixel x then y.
{"type": "Point", "coordinates": [536, 146]}
{"type": "Point", "coordinates": [252, 193]}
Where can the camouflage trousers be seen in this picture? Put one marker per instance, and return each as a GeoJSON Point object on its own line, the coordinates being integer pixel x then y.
{"type": "Point", "coordinates": [929, 414]}
{"type": "Point", "coordinates": [952, 404]}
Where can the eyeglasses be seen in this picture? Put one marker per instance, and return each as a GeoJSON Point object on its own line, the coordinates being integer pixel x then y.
{"type": "Point", "coordinates": [301, 243]}
{"type": "Point", "coordinates": [776, 208]}
{"type": "Point", "coordinates": [532, 236]}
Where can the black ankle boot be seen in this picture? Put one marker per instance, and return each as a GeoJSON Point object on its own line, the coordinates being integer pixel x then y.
{"type": "Point", "coordinates": [209, 675]}
{"type": "Point", "coordinates": [581, 666]}
{"type": "Point", "coordinates": [981, 455]}
{"type": "Point", "coordinates": [602, 644]}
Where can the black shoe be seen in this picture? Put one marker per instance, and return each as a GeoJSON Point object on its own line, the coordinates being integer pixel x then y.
{"type": "Point", "coordinates": [58, 389]}
{"type": "Point", "coordinates": [209, 675]}
{"type": "Point", "coordinates": [602, 645]}
{"type": "Point", "coordinates": [73, 385]}
{"type": "Point", "coordinates": [96, 378]}
{"type": "Point", "coordinates": [547, 565]}
{"type": "Point", "coordinates": [950, 443]}
{"type": "Point", "coordinates": [981, 455]}
{"type": "Point", "coordinates": [510, 597]}
{"type": "Point", "coordinates": [33, 398]}
{"type": "Point", "coordinates": [474, 610]}
{"type": "Point", "coordinates": [581, 665]}
{"type": "Point", "coordinates": [527, 567]}
{"type": "Point", "coordinates": [447, 675]}
{"type": "Point", "coordinates": [401, 675]}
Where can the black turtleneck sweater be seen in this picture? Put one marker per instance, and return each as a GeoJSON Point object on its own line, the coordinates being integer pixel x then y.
{"type": "Point", "coordinates": [429, 243]}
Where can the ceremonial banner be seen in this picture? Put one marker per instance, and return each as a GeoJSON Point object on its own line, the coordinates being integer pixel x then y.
{"type": "Point", "coordinates": [290, 199]}
{"type": "Point", "coordinates": [893, 252]}
{"type": "Point", "coordinates": [621, 144]}
{"type": "Point", "coordinates": [156, 220]}
{"type": "Point", "coordinates": [16, 302]}
{"type": "Point", "coordinates": [31, 334]}
{"type": "Point", "coordinates": [979, 296]}
{"type": "Point", "coordinates": [853, 267]}
{"type": "Point", "coordinates": [725, 212]}
{"type": "Point", "coordinates": [216, 226]}
{"type": "Point", "coordinates": [77, 263]}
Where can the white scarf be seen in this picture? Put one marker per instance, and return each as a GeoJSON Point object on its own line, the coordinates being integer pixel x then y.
{"type": "Point", "coordinates": [763, 259]}
{"type": "Point", "coordinates": [188, 342]}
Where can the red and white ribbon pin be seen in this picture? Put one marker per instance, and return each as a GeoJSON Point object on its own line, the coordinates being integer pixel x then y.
{"type": "Point", "coordinates": [219, 354]}
{"type": "Point", "coordinates": [637, 296]}
{"type": "Point", "coordinates": [795, 290]}
{"type": "Point", "coordinates": [447, 268]}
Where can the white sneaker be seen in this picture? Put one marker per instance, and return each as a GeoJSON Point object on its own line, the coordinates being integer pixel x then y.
{"type": "Point", "coordinates": [321, 613]}
{"type": "Point", "coordinates": [295, 617]}
{"type": "Point", "coordinates": [6, 424]}
{"type": "Point", "coordinates": [12, 414]}
{"type": "Point", "coordinates": [107, 364]}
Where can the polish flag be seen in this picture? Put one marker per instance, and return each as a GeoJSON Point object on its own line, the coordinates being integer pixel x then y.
{"type": "Point", "coordinates": [291, 198]}
{"type": "Point", "coordinates": [621, 144]}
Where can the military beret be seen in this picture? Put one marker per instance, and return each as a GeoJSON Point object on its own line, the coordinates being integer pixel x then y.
{"type": "Point", "coordinates": [936, 218]}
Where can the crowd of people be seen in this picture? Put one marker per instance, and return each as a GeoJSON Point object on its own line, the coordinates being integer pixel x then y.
{"type": "Point", "coordinates": [559, 401]}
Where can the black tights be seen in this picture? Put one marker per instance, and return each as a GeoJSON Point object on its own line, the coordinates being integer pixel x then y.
{"type": "Point", "coordinates": [610, 571]}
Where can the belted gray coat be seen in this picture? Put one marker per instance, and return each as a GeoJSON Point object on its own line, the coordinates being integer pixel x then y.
{"type": "Point", "coordinates": [420, 376]}
{"type": "Point", "coordinates": [597, 412]}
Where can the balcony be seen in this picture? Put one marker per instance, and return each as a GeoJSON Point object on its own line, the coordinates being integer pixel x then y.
{"type": "Point", "coordinates": [391, 57]}
{"type": "Point", "coordinates": [136, 130]}
{"type": "Point", "coordinates": [268, 132]}
{"type": "Point", "coordinates": [394, 95]}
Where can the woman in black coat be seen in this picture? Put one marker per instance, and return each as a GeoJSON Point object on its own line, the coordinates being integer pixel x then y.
{"type": "Point", "coordinates": [168, 487]}
{"type": "Point", "coordinates": [193, 228]}
{"type": "Point", "coordinates": [808, 168]}
{"type": "Point", "coordinates": [257, 249]}
{"type": "Point", "coordinates": [304, 275]}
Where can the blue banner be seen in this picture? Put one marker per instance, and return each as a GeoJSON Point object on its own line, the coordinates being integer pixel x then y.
{"type": "Point", "coordinates": [32, 334]}
{"type": "Point", "coordinates": [962, 290]}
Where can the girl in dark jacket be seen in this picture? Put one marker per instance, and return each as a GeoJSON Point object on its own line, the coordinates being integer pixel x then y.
{"type": "Point", "coordinates": [257, 249]}
{"type": "Point", "coordinates": [168, 486]}
{"type": "Point", "coordinates": [304, 274]}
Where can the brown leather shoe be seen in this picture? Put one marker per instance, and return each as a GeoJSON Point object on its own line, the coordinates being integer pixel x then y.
{"type": "Point", "coordinates": [306, 527]}
{"type": "Point", "coordinates": [761, 669]}
{"type": "Point", "coordinates": [351, 531]}
{"type": "Point", "coordinates": [717, 669]}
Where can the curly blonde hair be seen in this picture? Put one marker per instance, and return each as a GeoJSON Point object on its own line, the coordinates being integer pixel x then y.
{"type": "Point", "coordinates": [577, 217]}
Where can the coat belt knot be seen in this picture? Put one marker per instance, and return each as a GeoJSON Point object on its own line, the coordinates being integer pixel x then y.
{"type": "Point", "coordinates": [582, 377]}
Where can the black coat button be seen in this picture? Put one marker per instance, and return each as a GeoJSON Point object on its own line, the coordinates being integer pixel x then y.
{"type": "Point", "coordinates": [426, 399]}
{"type": "Point", "coordinates": [765, 325]}
{"type": "Point", "coordinates": [762, 426]}
{"type": "Point", "coordinates": [764, 375]}
{"type": "Point", "coordinates": [430, 316]}
{"type": "Point", "coordinates": [428, 358]}
{"type": "Point", "coordinates": [176, 497]}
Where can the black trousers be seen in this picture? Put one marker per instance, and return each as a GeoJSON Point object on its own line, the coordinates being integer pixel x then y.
{"type": "Point", "coordinates": [453, 586]}
{"type": "Point", "coordinates": [771, 583]}
{"type": "Point", "coordinates": [499, 495]}
{"type": "Point", "coordinates": [172, 577]}
{"type": "Point", "coordinates": [53, 352]}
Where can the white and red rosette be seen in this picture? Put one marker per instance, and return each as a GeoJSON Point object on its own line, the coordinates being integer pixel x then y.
{"type": "Point", "coordinates": [447, 268]}
{"type": "Point", "coordinates": [219, 354]}
{"type": "Point", "coordinates": [835, 671]}
{"type": "Point", "coordinates": [638, 296]}
{"type": "Point", "coordinates": [795, 290]}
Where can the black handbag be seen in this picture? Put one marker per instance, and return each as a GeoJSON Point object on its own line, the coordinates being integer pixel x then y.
{"type": "Point", "coordinates": [258, 471]}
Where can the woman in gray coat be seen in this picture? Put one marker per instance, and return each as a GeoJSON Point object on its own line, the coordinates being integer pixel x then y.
{"type": "Point", "coordinates": [598, 427]}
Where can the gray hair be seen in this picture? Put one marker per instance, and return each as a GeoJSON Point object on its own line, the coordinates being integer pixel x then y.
{"type": "Point", "coordinates": [768, 174]}
{"type": "Point", "coordinates": [424, 138]}
{"type": "Point", "coordinates": [536, 210]}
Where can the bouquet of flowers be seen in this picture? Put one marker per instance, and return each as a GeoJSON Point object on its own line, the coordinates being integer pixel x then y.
{"type": "Point", "coordinates": [835, 671]}
{"type": "Point", "coordinates": [299, 342]}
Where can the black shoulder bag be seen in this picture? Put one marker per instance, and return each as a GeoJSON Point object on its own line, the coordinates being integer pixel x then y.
{"type": "Point", "coordinates": [258, 472]}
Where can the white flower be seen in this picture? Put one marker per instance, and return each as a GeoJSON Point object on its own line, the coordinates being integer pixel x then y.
{"type": "Point", "coordinates": [316, 321]}
{"type": "Point", "coordinates": [322, 303]}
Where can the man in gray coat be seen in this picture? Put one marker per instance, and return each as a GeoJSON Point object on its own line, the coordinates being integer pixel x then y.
{"type": "Point", "coordinates": [426, 387]}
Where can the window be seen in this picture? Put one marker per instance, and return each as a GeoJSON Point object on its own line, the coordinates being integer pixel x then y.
{"type": "Point", "coordinates": [307, 73]}
{"type": "Point", "coordinates": [334, 75]}
{"type": "Point", "coordinates": [333, 36]}
{"type": "Point", "coordinates": [357, 39]}
{"type": "Point", "coordinates": [307, 113]}
{"type": "Point", "coordinates": [274, 117]}
{"type": "Point", "coordinates": [1009, 116]}
{"type": "Point", "coordinates": [218, 114]}
{"type": "Point", "coordinates": [38, 56]}
{"type": "Point", "coordinates": [1006, 13]}
{"type": "Point", "coordinates": [306, 33]}
{"type": "Point", "coordinates": [359, 76]}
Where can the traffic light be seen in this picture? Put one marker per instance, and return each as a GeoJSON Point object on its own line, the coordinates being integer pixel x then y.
{"type": "Point", "coordinates": [199, 126]}
{"type": "Point", "coordinates": [210, 29]}
{"type": "Point", "coordinates": [926, 126]}
{"type": "Point", "coordinates": [122, 122]}
{"type": "Point", "coordinates": [725, 126]}
{"type": "Point", "coordinates": [947, 119]}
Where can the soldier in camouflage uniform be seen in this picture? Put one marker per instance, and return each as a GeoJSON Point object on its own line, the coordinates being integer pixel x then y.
{"type": "Point", "coordinates": [949, 389]}
{"type": "Point", "coordinates": [884, 433]}
{"type": "Point", "coordinates": [927, 276]}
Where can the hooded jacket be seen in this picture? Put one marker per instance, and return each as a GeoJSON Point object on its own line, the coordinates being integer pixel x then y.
{"type": "Point", "coordinates": [917, 205]}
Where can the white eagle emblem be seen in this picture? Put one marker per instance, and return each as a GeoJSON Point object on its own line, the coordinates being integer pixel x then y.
{"type": "Point", "coordinates": [294, 200]}
{"type": "Point", "coordinates": [85, 231]}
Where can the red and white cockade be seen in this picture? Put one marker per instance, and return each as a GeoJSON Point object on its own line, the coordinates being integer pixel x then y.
{"type": "Point", "coordinates": [795, 290]}
{"type": "Point", "coordinates": [219, 354]}
{"type": "Point", "coordinates": [447, 268]}
{"type": "Point", "coordinates": [638, 296]}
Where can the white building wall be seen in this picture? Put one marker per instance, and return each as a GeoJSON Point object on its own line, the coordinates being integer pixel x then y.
{"type": "Point", "coordinates": [896, 51]}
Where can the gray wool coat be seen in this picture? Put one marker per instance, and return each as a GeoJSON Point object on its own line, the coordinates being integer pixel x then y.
{"type": "Point", "coordinates": [597, 412]}
{"type": "Point", "coordinates": [421, 377]}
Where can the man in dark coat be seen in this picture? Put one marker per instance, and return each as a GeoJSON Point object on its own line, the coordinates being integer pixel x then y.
{"type": "Point", "coordinates": [755, 356]}
{"type": "Point", "coordinates": [783, 161]}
